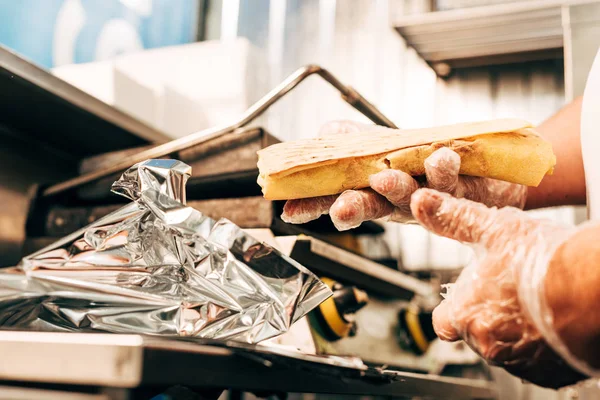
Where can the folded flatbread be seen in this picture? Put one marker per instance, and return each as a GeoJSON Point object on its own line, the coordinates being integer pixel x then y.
{"type": "Point", "coordinates": [506, 149]}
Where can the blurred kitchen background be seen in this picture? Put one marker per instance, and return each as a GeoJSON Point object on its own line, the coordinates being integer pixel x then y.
{"type": "Point", "coordinates": [180, 66]}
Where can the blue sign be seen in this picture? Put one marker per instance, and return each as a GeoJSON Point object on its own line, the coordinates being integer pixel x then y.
{"type": "Point", "coordinates": [57, 32]}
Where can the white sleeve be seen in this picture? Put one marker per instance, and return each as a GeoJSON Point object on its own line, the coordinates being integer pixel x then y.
{"type": "Point", "coordinates": [590, 138]}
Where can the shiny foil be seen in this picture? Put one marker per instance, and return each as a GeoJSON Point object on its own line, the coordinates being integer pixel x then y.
{"type": "Point", "coordinates": [159, 267]}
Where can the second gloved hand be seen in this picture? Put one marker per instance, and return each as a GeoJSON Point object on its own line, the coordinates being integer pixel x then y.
{"type": "Point", "coordinates": [498, 304]}
{"type": "Point", "coordinates": [390, 190]}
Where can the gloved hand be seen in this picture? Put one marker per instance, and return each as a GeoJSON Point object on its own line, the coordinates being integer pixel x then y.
{"type": "Point", "coordinates": [497, 304]}
{"type": "Point", "coordinates": [389, 195]}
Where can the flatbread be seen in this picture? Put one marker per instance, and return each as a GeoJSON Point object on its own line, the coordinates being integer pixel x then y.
{"type": "Point", "coordinates": [507, 149]}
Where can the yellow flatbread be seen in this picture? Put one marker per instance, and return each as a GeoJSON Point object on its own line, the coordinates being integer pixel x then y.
{"type": "Point", "coordinates": [507, 149]}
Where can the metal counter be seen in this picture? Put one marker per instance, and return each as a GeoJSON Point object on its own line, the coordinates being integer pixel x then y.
{"type": "Point", "coordinates": [118, 364]}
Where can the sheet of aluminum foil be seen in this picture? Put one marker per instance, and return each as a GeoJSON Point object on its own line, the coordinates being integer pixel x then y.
{"type": "Point", "coordinates": [159, 267]}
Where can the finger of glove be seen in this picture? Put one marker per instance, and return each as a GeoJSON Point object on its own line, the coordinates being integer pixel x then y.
{"type": "Point", "coordinates": [442, 322]}
{"type": "Point", "coordinates": [447, 216]}
{"type": "Point", "coordinates": [492, 192]}
{"type": "Point", "coordinates": [442, 170]}
{"type": "Point", "coordinates": [343, 126]}
{"type": "Point", "coordinates": [301, 211]}
{"type": "Point", "coordinates": [396, 186]}
{"type": "Point", "coordinates": [353, 207]}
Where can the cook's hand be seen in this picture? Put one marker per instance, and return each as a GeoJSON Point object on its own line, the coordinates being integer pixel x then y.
{"type": "Point", "coordinates": [390, 190]}
{"type": "Point", "coordinates": [497, 303]}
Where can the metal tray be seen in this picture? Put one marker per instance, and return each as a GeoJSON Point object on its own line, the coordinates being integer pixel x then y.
{"type": "Point", "coordinates": [132, 361]}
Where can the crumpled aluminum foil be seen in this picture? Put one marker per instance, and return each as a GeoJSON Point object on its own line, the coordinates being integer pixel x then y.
{"type": "Point", "coordinates": [159, 267]}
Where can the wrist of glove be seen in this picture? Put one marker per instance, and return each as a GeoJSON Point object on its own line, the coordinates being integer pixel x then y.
{"type": "Point", "coordinates": [390, 191]}
{"type": "Point", "coordinates": [498, 304]}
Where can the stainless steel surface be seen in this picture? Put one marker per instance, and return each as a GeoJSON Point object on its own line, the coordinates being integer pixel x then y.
{"type": "Point", "coordinates": [488, 35]}
{"type": "Point", "coordinates": [108, 360]}
{"type": "Point", "coordinates": [368, 267]}
{"type": "Point", "coordinates": [157, 266]}
{"type": "Point", "coordinates": [348, 94]}
{"type": "Point", "coordinates": [345, 266]}
{"type": "Point", "coordinates": [130, 361]}
{"type": "Point", "coordinates": [45, 81]}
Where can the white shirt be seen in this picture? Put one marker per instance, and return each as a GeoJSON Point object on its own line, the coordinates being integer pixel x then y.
{"type": "Point", "coordinates": [590, 139]}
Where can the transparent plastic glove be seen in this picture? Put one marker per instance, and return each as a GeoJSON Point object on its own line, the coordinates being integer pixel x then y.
{"type": "Point", "coordinates": [390, 191]}
{"type": "Point", "coordinates": [497, 304]}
